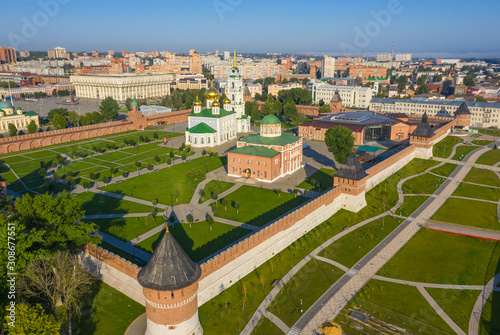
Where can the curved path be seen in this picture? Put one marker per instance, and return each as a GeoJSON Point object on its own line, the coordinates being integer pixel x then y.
{"type": "Point", "coordinates": [475, 316]}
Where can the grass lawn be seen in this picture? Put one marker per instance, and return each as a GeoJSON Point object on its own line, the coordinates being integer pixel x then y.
{"type": "Point", "coordinates": [215, 186]}
{"type": "Point", "coordinates": [126, 229]}
{"type": "Point", "coordinates": [478, 192]}
{"type": "Point", "coordinates": [95, 203]}
{"type": "Point", "coordinates": [482, 176]}
{"type": "Point", "coordinates": [396, 303]}
{"type": "Point", "coordinates": [442, 258]}
{"type": "Point", "coordinates": [161, 184]}
{"type": "Point", "coordinates": [489, 158]}
{"type": "Point", "coordinates": [198, 241]}
{"type": "Point", "coordinates": [410, 205]}
{"type": "Point", "coordinates": [445, 170]}
{"type": "Point", "coordinates": [347, 249]}
{"type": "Point", "coordinates": [462, 151]}
{"type": "Point", "coordinates": [424, 184]}
{"type": "Point", "coordinates": [490, 322]}
{"type": "Point", "coordinates": [106, 311]}
{"type": "Point", "coordinates": [444, 148]}
{"type": "Point", "coordinates": [482, 142]}
{"type": "Point", "coordinates": [322, 176]}
{"type": "Point", "coordinates": [262, 206]}
{"type": "Point", "coordinates": [469, 212]}
{"type": "Point", "coordinates": [266, 327]}
{"type": "Point", "coordinates": [457, 304]}
{"type": "Point", "coordinates": [214, 314]}
{"type": "Point", "coordinates": [494, 132]}
{"type": "Point", "coordinates": [308, 284]}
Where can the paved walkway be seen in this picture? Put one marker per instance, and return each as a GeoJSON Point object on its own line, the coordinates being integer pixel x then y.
{"type": "Point", "coordinates": [148, 234]}
{"type": "Point", "coordinates": [116, 216]}
{"type": "Point", "coordinates": [475, 316]}
{"type": "Point", "coordinates": [236, 223]}
{"type": "Point", "coordinates": [333, 301]}
{"type": "Point", "coordinates": [128, 247]}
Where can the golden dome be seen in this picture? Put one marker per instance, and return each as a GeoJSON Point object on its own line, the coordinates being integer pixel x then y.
{"type": "Point", "coordinates": [215, 104]}
{"type": "Point", "coordinates": [226, 101]}
{"type": "Point", "coordinates": [197, 102]}
{"type": "Point", "coordinates": [212, 93]}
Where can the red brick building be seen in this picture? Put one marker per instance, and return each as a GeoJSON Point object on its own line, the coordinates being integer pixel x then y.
{"type": "Point", "coordinates": [365, 72]}
{"type": "Point", "coordinates": [267, 156]}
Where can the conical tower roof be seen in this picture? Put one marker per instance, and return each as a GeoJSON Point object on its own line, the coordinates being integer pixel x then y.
{"type": "Point", "coordinates": [351, 169]}
{"type": "Point", "coordinates": [336, 97]}
{"type": "Point", "coordinates": [246, 91]}
{"type": "Point", "coordinates": [463, 109]}
{"type": "Point", "coordinates": [424, 129]}
{"type": "Point", "coordinates": [170, 268]}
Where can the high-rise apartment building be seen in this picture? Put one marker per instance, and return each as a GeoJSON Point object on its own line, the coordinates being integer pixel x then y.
{"type": "Point", "coordinates": [227, 55]}
{"type": "Point", "coordinates": [8, 55]}
{"type": "Point", "coordinates": [328, 67]}
{"type": "Point", "coordinates": [384, 58]}
{"type": "Point", "coordinates": [124, 53]}
{"type": "Point", "coordinates": [403, 57]}
{"type": "Point", "coordinates": [111, 52]}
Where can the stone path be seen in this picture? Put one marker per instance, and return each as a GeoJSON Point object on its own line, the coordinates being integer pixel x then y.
{"type": "Point", "coordinates": [277, 321]}
{"type": "Point", "coordinates": [475, 316]}
{"type": "Point", "coordinates": [333, 301]}
{"type": "Point", "coordinates": [116, 216]}
{"type": "Point", "coordinates": [475, 199]}
{"type": "Point", "coordinates": [148, 234]}
{"type": "Point", "coordinates": [128, 247]}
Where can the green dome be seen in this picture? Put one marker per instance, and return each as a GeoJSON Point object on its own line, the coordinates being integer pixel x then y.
{"type": "Point", "coordinates": [134, 103]}
{"type": "Point", "coordinates": [270, 119]}
{"type": "Point", "coordinates": [6, 105]}
{"type": "Point", "coordinates": [19, 108]}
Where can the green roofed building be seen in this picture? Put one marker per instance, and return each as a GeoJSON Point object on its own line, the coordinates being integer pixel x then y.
{"type": "Point", "coordinates": [266, 156]}
{"type": "Point", "coordinates": [15, 116]}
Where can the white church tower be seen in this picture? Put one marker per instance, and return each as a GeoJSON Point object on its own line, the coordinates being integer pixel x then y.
{"type": "Point", "coordinates": [234, 92]}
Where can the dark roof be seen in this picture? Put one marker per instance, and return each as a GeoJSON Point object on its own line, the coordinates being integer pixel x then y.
{"type": "Point", "coordinates": [463, 109]}
{"type": "Point", "coordinates": [170, 268]}
{"type": "Point", "coordinates": [336, 97]}
{"type": "Point", "coordinates": [351, 169]}
{"type": "Point", "coordinates": [424, 129]}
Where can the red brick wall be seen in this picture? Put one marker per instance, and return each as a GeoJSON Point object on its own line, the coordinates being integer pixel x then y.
{"type": "Point", "coordinates": [266, 169]}
{"type": "Point", "coordinates": [111, 260]}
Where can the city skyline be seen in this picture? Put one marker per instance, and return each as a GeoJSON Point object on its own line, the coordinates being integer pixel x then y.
{"type": "Point", "coordinates": [423, 28]}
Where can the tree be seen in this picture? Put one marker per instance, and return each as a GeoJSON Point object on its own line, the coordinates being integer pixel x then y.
{"type": "Point", "coordinates": [468, 81]}
{"type": "Point", "coordinates": [86, 119]}
{"type": "Point", "coordinates": [42, 172]}
{"type": "Point", "coordinates": [190, 219]}
{"type": "Point", "coordinates": [422, 90]}
{"type": "Point", "coordinates": [202, 194]}
{"type": "Point", "coordinates": [32, 127]}
{"type": "Point", "coordinates": [176, 195]}
{"type": "Point", "coordinates": [204, 152]}
{"type": "Point", "coordinates": [210, 221]}
{"type": "Point", "coordinates": [59, 121]}
{"type": "Point", "coordinates": [236, 205]}
{"type": "Point", "coordinates": [295, 192]}
{"type": "Point", "coordinates": [12, 129]}
{"type": "Point", "coordinates": [58, 279]}
{"type": "Point", "coordinates": [155, 135]}
{"type": "Point", "coordinates": [224, 203]}
{"type": "Point", "coordinates": [57, 111]}
{"type": "Point", "coordinates": [92, 175]}
{"type": "Point", "coordinates": [481, 99]}
{"type": "Point", "coordinates": [109, 109]}
{"type": "Point", "coordinates": [150, 167]}
{"type": "Point", "coordinates": [324, 109]}
{"type": "Point", "coordinates": [183, 156]}
{"type": "Point", "coordinates": [339, 141]}
{"type": "Point", "coordinates": [56, 176]}
{"type": "Point", "coordinates": [105, 179]}
{"type": "Point", "coordinates": [402, 81]}
{"type": "Point", "coordinates": [70, 180]}
{"type": "Point", "coordinates": [33, 320]}
{"type": "Point", "coordinates": [86, 184]}
{"type": "Point", "coordinates": [171, 155]}
{"type": "Point", "coordinates": [138, 165]}
{"type": "Point", "coordinates": [290, 111]}
{"type": "Point", "coordinates": [58, 219]}
{"type": "Point", "coordinates": [169, 161]}
{"type": "Point", "coordinates": [157, 160]}
{"type": "Point", "coordinates": [421, 80]}
{"type": "Point", "coordinates": [125, 174]}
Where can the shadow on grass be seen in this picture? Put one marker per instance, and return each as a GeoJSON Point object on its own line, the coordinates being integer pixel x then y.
{"type": "Point", "coordinates": [276, 212]}
{"type": "Point", "coordinates": [493, 325]}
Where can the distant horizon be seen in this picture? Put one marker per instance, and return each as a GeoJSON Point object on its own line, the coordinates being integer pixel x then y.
{"type": "Point", "coordinates": [424, 28]}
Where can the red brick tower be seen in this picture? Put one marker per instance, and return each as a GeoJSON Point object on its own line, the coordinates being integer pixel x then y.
{"type": "Point", "coordinates": [462, 115]}
{"type": "Point", "coordinates": [351, 177]}
{"type": "Point", "coordinates": [170, 286]}
{"type": "Point", "coordinates": [247, 96]}
{"type": "Point", "coordinates": [336, 103]}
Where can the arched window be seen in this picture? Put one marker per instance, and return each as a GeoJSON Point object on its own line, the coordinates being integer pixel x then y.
{"type": "Point", "coordinates": [232, 85]}
{"type": "Point", "coordinates": [271, 130]}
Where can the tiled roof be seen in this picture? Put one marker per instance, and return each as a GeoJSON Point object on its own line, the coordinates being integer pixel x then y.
{"type": "Point", "coordinates": [284, 139]}
{"type": "Point", "coordinates": [202, 128]}
{"type": "Point", "coordinates": [256, 150]}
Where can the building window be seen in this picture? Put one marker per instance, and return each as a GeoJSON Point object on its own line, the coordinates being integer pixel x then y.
{"type": "Point", "coordinates": [195, 140]}
{"type": "Point", "coordinates": [239, 160]}
{"type": "Point", "coordinates": [208, 140]}
{"type": "Point", "coordinates": [265, 174]}
{"type": "Point", "coordinates": [233, 169]}
{"type": "Point", "coordinates": [270, 130]}
{"type": "Point", "coordinates": [202, 141]}
{"type": "Point", "coordinates": [233, 159]}
{"type": "Point", "coordinates": [240, 170]}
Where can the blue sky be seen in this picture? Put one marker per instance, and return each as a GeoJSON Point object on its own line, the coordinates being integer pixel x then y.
{"type": "Point", "coordinates": [439, 27]}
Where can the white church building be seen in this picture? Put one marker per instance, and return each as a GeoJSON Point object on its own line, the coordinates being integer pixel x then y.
{"type": "Point", "coordinates": [215, 125]}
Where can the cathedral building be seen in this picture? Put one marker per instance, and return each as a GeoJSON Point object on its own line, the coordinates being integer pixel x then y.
{"type": "Point", "coordinates": [215, 125]}
{"type": "Point", "coordinates": [17, 117]}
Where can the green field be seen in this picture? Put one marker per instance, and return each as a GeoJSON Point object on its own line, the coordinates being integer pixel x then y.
{"type": "Point", "coordinates": [349, 249]}
{"type": "Point", "coordinates": [490, 157]}
{"type": "Point", "coordinates": [398, 304]}
{"type": "Point", "coordinates": [199, 241]}
{"type": "Point", "coordinates": [457, 304]}
{"type": "Point", "coordinates": [410, 205]}
{"type": "Point", "coordinates": [263, 206]}
{"type": "Point", "coordinates": [477, 192]}
{"type": "Point", "coordinates": [482, 176]}
{"type": "Point", "coordinates": [444, 148]}
{"type": "Point", "coordinates": [424, 184]}
{"type": "Point", "coordinates": [106, 311]}
{"type": "Point", "coordinates": [308, 284]}
{"type": "Point", "coordinates": [482, 142]}
{"type": "Point", "coordinates": [266, 327]}
{"type": "Point", "coordinates": [490, 322]}
{"type": "Point", "coordinates": [442, 258]}
{"type": "Point", "coordinates": [469, 212]}
{"type": "Point", "coordinates": [463, 151]}
{"type": "Point", "coordinates": [162, 184]}
{"type": "Point", "coordinates": [95, 203]}
{"type": "Point", "coordinates": [213, 187]}
{"type": "Point", "coordinates": [323, 176]}
{"type": "Point", "coordinates": [445, 170]}
{"type": "Point", "coordinates": [126, 229]}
